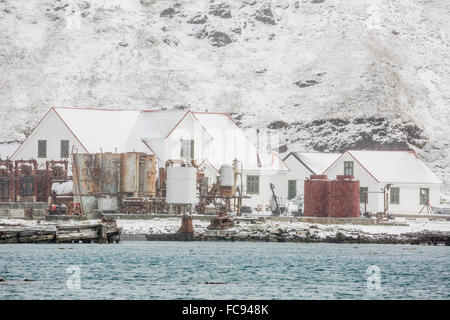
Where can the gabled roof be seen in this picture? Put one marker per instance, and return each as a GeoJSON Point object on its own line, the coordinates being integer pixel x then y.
{"type": "Point", "coordinates": [100, 128]}
{"type": "Point", "coordinates": [394, 167]}
{"type": "Point", "coordinates": [117, 129]}
{"type": "Point", "coordinates": [207, 163]}
{"type": "Point", "coordinates": [232, 143]}
{"type": "Point", "coordinates": [315, 162]}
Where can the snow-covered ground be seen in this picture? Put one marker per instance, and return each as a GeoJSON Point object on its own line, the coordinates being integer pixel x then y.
{"type": "Point", "coordinates": [171, 225]}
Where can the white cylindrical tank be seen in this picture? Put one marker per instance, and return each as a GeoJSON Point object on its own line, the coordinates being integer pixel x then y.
{"type": "Point", "coordinates": [238, 166]}
{"type": "Point", "coordinates": [107, 203]}
{"type": "Point", "coordinates": [226, 175]}
{"type": "Point", "coordinates": [181, 184]}
{"type": "Point", "coordinates": [62, 187]}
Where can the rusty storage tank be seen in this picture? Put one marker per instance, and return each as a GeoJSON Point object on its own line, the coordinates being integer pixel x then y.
{"type": "Point", "coordinates": [87, 179]}
{"type": "Point", "coordinates": [129, 172]}
{"type": "Point", "coordinates": [147, 175]}
{"type": "Point", "coordinates": [110, 172]}
{"type": "Point", "coordinates": [317, 196]}
{"type": "Point", "coordinates": [344, 197]}
{"type": "Point", "coordinates": [87, 173]}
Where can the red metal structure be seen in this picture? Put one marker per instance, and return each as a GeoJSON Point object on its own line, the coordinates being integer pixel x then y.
{"type": "Point", "coordinates": [345, 197]}
{"type": "Point", "coordinates": [55, 171]}
{"type": "Point", "coordinates": [317, 196]}
{"type": "Point", "coordinates": [22, 181]}
{"type": "Point", "coordinates": [6, 181]}
{"type": "Point", "coordinates": [331, 198]}
{"type": "Point", "coordinates": [26, 180]}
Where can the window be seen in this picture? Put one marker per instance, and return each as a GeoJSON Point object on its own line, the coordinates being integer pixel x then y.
{"type": "Point", "coordinates": [187, 149]}
{"type": "Point", "coordinates": [348, 168]}
{"type": "Point", "coordinates": [42, 148]}
{"type": "Point", "coordinates": [252, 184]}
{"type": "Point", "coordinates": [364, 195]}
{"type": "Point", "coordinates": [64, 148]}
{"type": "Point", "coordinates": [394, 194]}
{"type": "Point", "coordinates": [424, 195]}
{"type": "Point", "coordinates": [292, 189]}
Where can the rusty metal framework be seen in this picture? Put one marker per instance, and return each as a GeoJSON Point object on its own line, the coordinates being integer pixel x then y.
{"type": "Point", "coordinates": [22, 181]}
{"type": "Point", "coordinates": [6, 181]}
{"type": "Point", "coordinates": [25, 172]}
{"type": "Point", "coordinates": [218, 195]}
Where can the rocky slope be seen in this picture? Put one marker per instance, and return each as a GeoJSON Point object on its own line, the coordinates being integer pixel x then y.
{"type": "Point", "coordinates": [321, 75]}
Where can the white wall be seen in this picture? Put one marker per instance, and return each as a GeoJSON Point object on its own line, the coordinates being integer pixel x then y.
{"type": "Point", "coordinates": [53, 130]}
{"type": "Point", "coordinates": [375, 201]}
{"type": "Point", "coordinates": [410, 198]}
{"type": "Point", "coordinates": [298, 172]}
{"type": "Point", "coordinates": [210, 173]}
{"type": "Point", "coordinates": [265, 193]}
{"type": "Point", "coordinates": [189, 128]}
{"type": "Point", "coordinates": [409, 193]}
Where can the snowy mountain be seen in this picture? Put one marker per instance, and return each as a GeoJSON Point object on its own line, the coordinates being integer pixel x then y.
{"type": "Point", "coordinates": [323, 75]}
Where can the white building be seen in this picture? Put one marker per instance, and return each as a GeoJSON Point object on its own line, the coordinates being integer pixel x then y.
{"type": "Point", "coordinates": [302, 165]}
{"type": "Point", "coordinates": [411, 182]}
{"type": "Point", "coordinates": [212, 139]}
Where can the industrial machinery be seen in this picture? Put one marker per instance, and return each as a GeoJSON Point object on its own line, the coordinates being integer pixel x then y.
{"type": "Point", "coordinates": [135, 205]}
{"type": "Point", "coordinates": [277, 210]}
{"type": "Point", "coordinates": [6, 181]}
{"type": "Point", "coordinates": [221, 222]}
{"type": "Point", "coordinates": [225, 190]}
{"type": "Point", "coordinates": [22, 181]}
{"type": "Point", "coordinates": [25, 172]}
{"type": "Point", "coordinates": [55, 171]}
{"type": "Point", "coordinates": [127, 179]}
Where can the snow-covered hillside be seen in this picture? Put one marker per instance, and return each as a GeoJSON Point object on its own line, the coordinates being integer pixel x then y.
{"type": "Point", "coordinates": [323, 74]}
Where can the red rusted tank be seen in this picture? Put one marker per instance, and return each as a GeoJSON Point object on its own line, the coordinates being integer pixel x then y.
{"type": "Point", "coordinates": [344, 197]}
{"type": "Point", "coordinates": [317, 196]}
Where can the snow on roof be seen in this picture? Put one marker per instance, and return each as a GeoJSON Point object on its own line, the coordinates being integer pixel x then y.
{"type": "Point", "coordinates": [100, 128]}
{"type": "Point", "coordinates": [230, 142]}
{"type": "Point", "coordinates": [317, 162]}
{"type": "Point", "coordinates": [123, 130]}
{"type": "Point", "coordinates": [159, 124]}
{"type": "Point", "coordinates": [272, 160]}
{"type": "Point", "coordinates": [395, 166]}
{"type": "Point", "coordinates": [151, 125]}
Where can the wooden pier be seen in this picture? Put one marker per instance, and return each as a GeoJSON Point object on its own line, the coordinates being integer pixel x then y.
{"type": "Point", "coordinates": [87, 233]}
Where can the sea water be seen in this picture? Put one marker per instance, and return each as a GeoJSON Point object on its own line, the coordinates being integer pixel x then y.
{"type": "Point", "coordinates": [223, 270]}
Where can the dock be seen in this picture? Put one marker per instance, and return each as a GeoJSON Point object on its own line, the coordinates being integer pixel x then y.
{"type": "Point", "coordinates": [87, 233]}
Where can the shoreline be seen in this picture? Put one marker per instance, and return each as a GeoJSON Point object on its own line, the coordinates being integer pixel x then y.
{"type": "Point", "coordinates": [422, 238]}
{"type": "Point", "coordinates": [396, 231]}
